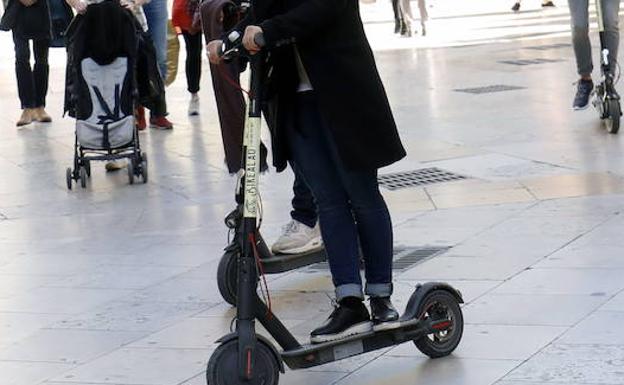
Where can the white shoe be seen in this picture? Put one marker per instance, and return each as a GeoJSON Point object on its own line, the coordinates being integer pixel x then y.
{"type": "Point", "coordinates": [193, 109]}
{"type": "Point", "coordinates": [298, 238]}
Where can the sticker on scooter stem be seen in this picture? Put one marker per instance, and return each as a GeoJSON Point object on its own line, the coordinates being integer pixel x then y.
{"type": "Point", "coordinates": [252, 168]}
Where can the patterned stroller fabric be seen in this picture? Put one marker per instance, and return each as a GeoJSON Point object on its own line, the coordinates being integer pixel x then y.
{"type": "Point", "coordinates": [109, 125]}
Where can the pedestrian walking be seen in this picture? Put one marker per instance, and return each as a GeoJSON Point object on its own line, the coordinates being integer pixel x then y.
{"type": "Point", "coordinates": [183, 16]}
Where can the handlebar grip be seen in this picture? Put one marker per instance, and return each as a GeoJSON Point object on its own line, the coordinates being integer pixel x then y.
{"type": "Point", "coordinates": [259, 40]}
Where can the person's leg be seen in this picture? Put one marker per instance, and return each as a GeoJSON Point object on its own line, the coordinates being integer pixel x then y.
{"type": "Point", "coordinates": [23, 72]}
{"type": "Point", "coordinates": [406, 16]}
{"type": "Point", "coordinates": [193, 60]}
{"type": "Point", "coordinates": [193, 45]}
{"type": "Point", "coordinates": [304, 208]}
{"type": "Point", "coordinates": [156, 15]}
{"type": "Point", "coordinates": [398, 20]}
{"type": "Point", "coordinates": [313, 160]}
{"type": "Point", "coordinates": [40, 74]}
{"type": "Point", "coordinates": [579, 20]}
{"type": "Point", "coordinates": [302, 233]}
{"type": "Point", "coordinates": [611, 10]}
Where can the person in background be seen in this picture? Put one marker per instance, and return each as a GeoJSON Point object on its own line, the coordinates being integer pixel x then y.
{"type": "Point", "coordinates": [156, 15]}
{"type": "Point", "coordinates": [579, 19]}
{"type": "Point", "coordinates": [182, 17]}
{"type": "Point", "coordinates": [545, 3]}
{"type": "Point", "coordinates": [30, 20]}
{"type": "Point", "coordinates": [407, 17]}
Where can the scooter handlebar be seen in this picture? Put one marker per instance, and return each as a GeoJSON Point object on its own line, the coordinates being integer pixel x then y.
{"type": "Point", "coordinates": [233, 45]}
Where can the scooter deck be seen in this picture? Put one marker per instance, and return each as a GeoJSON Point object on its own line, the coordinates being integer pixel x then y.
{"type": "Point", "coordinates": [311, 355]}
{"type": "Point", "coordinates": [280, 263]}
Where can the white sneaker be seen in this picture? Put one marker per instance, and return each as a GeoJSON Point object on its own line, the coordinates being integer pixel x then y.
{"type": "Point", "coordinates": [298, 238]}
{"type": "Point", "coordinates": [193, 109]}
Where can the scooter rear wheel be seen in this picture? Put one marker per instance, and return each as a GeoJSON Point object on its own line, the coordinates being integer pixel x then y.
{"type": "Point", "coordinates": [227, 276]}
{"type": "Point", "coordinates": [614, 112]}
{"type": "Point", "coordinates": [223, 366]}
{"type": "Point", "coordinates": [440, 304]}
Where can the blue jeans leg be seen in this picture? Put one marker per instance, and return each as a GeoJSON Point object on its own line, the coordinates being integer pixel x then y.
{"type": "Point", "coordinates": [157, 17]}
{"type": "Point", "coordinates": [304, 207]}
{"type": "Point", "coordinates": [350, 207]}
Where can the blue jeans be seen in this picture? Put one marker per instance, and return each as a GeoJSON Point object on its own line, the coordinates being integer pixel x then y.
{"type": "Point", "coordinates": [157, 18]}
{"type": "Point", "coordinates": [304, 207]}
{"type": "Point", "coordinates": [352, 213]}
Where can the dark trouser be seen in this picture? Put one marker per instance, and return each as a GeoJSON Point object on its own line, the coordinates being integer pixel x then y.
{"type": "Point", "coordinates": [193, 60]}
{"type": "Point", "coordinates": [396, 10]}
{"type": "Point", "coordinates": [304, 207]}
{"type": "Point", "coordinates": [352, 212]}
{"type": "Point", "coordinates": [32, 83]}
{"type": "Point", "coordinates": [579, 19]}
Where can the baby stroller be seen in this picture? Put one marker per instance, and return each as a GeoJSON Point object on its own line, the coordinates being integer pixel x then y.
{"type": "Point", "coordinates": [101, 91]}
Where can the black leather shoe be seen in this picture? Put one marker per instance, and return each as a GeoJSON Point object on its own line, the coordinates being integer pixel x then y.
{"type": "Point", "coordinates": [384, 314]}
{"type": "Point", "coordinates": [343, 322]}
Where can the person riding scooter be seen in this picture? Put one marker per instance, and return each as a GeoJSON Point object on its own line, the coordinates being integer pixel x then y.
{"type": "Point", "coordinates": [335, 124]}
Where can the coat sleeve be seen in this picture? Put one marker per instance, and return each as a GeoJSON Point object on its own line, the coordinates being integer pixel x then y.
{"type": "Point", "coordinates": [303, 21]}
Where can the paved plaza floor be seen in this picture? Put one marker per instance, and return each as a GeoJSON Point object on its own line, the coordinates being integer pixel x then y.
{"type": "Point", "coordinates": [115, 284]}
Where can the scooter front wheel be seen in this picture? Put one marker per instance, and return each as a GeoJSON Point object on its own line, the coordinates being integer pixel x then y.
{"type": "Point", "coordinates": [440, 305]}
{"type": "Point", "coordinates": [223, 366]}
{"type": "Point", "coordinates": [614, 112]}
{"type": "Point", "coordinates": [227, 276]}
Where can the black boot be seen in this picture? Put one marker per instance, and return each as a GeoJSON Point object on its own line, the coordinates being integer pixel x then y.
{"type": "Point", "coordinates": [384, 314]}
{"type": "Point", "coordinates": [397, 25]}
{"type": "Point", "coordinates": [350, 317]}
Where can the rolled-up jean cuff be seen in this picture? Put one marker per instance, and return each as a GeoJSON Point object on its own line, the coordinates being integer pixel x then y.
{"type": "Point", "coordinates": [379, 289]}
{"type": "Point", "coordinates": [349, 290]}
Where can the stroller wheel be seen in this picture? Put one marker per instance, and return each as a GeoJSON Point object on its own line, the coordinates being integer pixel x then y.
{"type": "Point", "coordinates": [131, 171]}
{"type": "Point", "coordinates": [87, 165]}
{"type": "Point", "coordinates": [83, 177]}
{"type": "Point", "coordinates": [69, 177]}
{"type": "Point", "coordinates": [144, 167]}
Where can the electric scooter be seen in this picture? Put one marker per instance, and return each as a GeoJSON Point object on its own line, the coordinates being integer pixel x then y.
{"type": "Point", "coordinates": [606, 99]}
{"type": "Point", "coordinates": [273, 263]}
{"type": "Point", "coordinates": [432, 320]}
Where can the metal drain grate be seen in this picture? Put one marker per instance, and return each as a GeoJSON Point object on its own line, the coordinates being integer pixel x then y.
{"type": "Point", "coordinates": [489, 89]}
{"type": "Point", "coordinates": [421, 177]}
{"type": "Point", "coordinates": [404, 258]}
{"type": "Point", "coordinates": [526, 62]}
{"type": "Point", "coordinates": [549, 46]}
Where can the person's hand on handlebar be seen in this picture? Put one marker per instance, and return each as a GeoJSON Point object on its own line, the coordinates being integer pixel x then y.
{"type": "Point", "coordinates": [249, 39]}
{"type": "Point", "coordinates": [213, 50]}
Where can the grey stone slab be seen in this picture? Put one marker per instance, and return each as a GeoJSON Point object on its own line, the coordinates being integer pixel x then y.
{"type": "Point", "coordinates": [140, 366]}
{"type": "Point", "coordinates": [596, 364]}
{"type": "Point", "coordinates": [120, 277]}
{"type": "Point", "coordinates": [495, 342]}
{"type": "Point", "coordinates": [181, 289]}
{"type": "Point", "coordinates": [66, 346]}
{"type": "Point", "coordinates": [615, 304]}
{"type": "Point", "coordinates": [59, 300]}
{"type": "Point", "coordinates": [464, 268]}
{"type": "Point", "coordinates": [190, 333]}
{"type": "Point", "coordinates": [411, 370]}
{"type": "Point", "coordinates": [27, 373]}
{"type": "Point", "coordinates": [587, 256]}
{"type": "Point", "coordinates": [17, 326]}
{"type": "Point", "coordinates": [132, 316]}
{"type": "Point", "coordinates": [599, 328]}
{"type": "Point", "coordinates": [598, 282]}
{"type": "Point", "coordinates": [545, 310]}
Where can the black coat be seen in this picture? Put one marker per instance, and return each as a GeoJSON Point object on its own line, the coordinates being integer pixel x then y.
{"type": "Point", "coordinates": [27, 22]}
{"type": "Point", "coordinates": [340, 64]}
